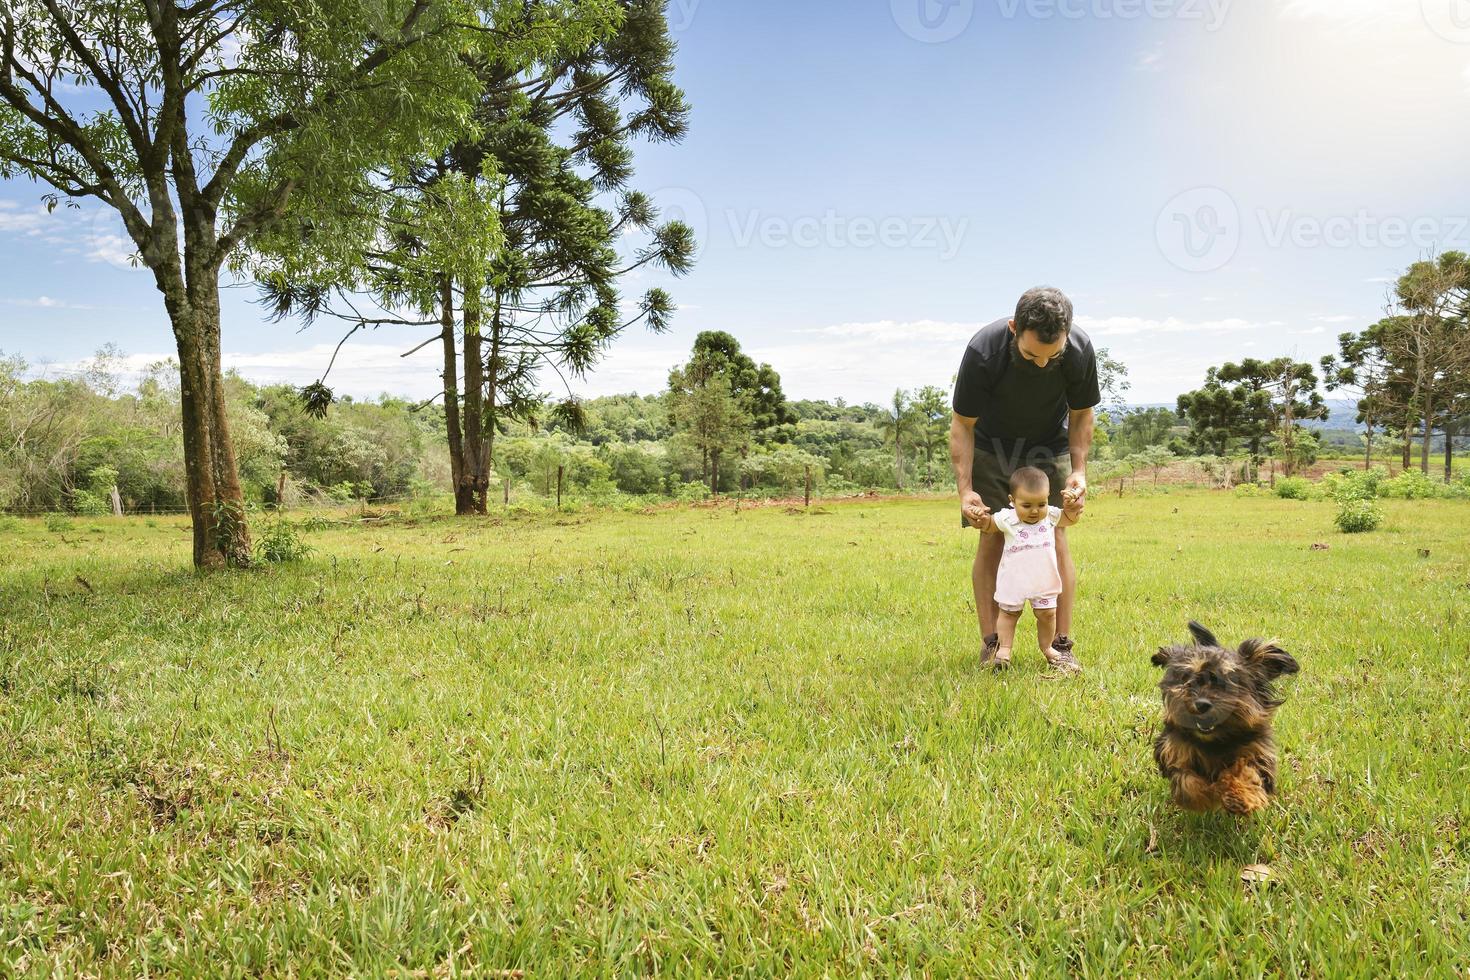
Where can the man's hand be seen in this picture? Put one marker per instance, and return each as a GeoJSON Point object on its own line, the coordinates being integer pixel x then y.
{"type": "Point", "coordinates": [1077, 483]}
{"type": "Point", "coordinates": [974, 508]}
{"type": "Point", "coordinates": [1073, 502]}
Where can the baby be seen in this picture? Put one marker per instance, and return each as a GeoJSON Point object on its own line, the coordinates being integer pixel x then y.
{"type": "Point", "coordinates": [1028, 566]}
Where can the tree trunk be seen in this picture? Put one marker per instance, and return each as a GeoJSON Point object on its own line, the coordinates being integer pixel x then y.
{"type": "Point", "coordinates": [1368, 451]}
{"type": "Point", "coordinates": [1408, 444]}
{"type": "Point", "coordinates": [1428, 434]}
{"type": "Point", "coordinates": [216, 502]}
{"type": "Point", "coordinates": [1288, 435]}
{"type": "Point", "coordinates": [475, 475]}
{"type": "Point", "coordinates": [463, 503]}
{"type": "Point", "coordinates": [492, 390]}
{"type": "Point", "coordinates": [1449, 451]}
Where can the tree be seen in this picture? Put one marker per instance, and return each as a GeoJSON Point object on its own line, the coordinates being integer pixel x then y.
{"type": "Point", "coordinates": [756, 386]}
{"type": "Point", "coordinates": [1253, 402]}
{"type": "Point", "coordinates": [1112, 382]}
{"type": "Point", "coordinates": [1221, 414]}
{"type": "Point", "coordinates": [550, 153]}
{"type": "Point", "coordinates": [1143, 427]}
{"type": "Point", "coordinates": [1363, 364]}
{"type": "Point", "coordinates": [1429, 344]}
{"type": "Point", "coordinates": [895, 427]}
{"type": "Point", "coordinates": [932, 411]}
{"type": "Point", "coordinates": [707, 414]}
{"type": "Point", "coordinates": [1155, 458]}
{"type": "Point", "coordinates": [41, 437]}
{"type": "Point", "coordinates": [218, 119]}
{"type": "Point", "coordinates": [759, 407]}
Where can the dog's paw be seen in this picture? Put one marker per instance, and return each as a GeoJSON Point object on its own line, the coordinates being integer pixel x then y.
{"type": "Point", "coordinates": [1243, 801]}
{"type": "Point", "coordinates": [1235, 803]}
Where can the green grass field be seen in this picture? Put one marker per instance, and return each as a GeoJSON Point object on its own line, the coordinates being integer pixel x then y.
{"type": "Point", "coordinates": [697, 741]}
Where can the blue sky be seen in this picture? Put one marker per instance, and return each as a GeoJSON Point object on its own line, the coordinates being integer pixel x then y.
{"type": "Point", "coordinates": [872, 180]}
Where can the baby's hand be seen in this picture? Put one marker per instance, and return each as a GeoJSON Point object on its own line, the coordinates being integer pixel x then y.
{"type": "Point", "coordinates": [1072, 504]}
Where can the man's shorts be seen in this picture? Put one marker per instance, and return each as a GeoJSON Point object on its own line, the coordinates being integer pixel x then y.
{"type": "Point", "coordinates": [991, 477]}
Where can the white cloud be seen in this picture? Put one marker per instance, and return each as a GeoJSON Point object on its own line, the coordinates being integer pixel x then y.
{"type": "Point", "coordinates": [1124, 326]}
{"type": "Point", "coordinates": [893, 331]}
{"type": "Point", "coordinates": [114, 250]}
{"type": "Point", "coordinates": [1333, 319]}
{"type": "Point", "coordinates": [15, 221]}
{"type": "Point", "coordinates": [48, 303]}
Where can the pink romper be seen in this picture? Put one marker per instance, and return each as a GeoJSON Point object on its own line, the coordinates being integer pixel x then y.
{"type": "Point", "coordinates": [1028, 566]}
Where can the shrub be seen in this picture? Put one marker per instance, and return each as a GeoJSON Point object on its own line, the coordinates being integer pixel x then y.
{"type": "Point", "coordinates": [89, 504]}
{"type": "Point", "coordinates": [279, 543]}
{"type": "Point", "coordinates": [1356, 516]}
{"type": "Point", "coordinates": [1249, 490]}
{"type": "Point", "coordinates": [1352, 485]}
{"type": "Point", "coordinates": [691, 492]}
{"type": "Point", "coordinates": [1293, 488]}
{"type": "Point", "coordinates": [56, 523]}
{"type": "Point", "coordinates": [8, 523]}
{"type": "Point", "coordinates": [1411, 485]}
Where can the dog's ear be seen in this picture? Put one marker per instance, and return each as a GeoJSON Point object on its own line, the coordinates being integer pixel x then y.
{"type": "Point", "coordinates": [1164, 655]}
{"type": "Point", "coordinates": [1202, 636]}
{"type": "Point", "coordinates": [1268, 658]}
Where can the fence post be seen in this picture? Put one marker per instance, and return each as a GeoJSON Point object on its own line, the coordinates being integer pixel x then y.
{"type": "Point", "coordinates": [281, 492]}
{"type": "Point", "coordinates": [506, 484]}
{"type": "Point", "coordinates": [808, 486]}
{"type": "Point", "coordinates": [558, 487]}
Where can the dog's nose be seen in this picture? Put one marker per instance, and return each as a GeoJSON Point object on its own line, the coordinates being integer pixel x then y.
{"type": "Point", "coordinates": [1201, 706]}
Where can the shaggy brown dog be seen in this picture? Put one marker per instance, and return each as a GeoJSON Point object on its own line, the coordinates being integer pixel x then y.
{"type": "Point", "coordinates": [1216, 748]}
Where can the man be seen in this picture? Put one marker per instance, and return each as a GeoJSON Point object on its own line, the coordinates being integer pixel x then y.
{"type": "Point", "coordinates": [1024, 396]}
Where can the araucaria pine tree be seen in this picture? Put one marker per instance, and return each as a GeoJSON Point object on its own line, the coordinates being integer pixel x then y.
{"type": "Point", "coordinates": [550, 163]}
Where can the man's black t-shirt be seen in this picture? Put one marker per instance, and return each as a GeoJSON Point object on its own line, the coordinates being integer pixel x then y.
{"type": "Point", "coordinates": [1020, 406]}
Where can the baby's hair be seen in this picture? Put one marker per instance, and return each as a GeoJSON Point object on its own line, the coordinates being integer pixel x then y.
{"type": "Point", "coordinates": [1029, 478]}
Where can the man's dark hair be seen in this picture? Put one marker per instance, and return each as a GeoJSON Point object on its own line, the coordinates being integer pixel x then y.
{"type": "Point", "coordinates": [1029, 478]}
{"type": "Point", "coordinates": [1046, 312]}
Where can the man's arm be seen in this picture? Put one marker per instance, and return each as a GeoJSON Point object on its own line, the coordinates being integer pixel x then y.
{"type": "Point", "coordinates": [1079, 439]}
{"type": "Point", "coordinates": [962, 458]}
